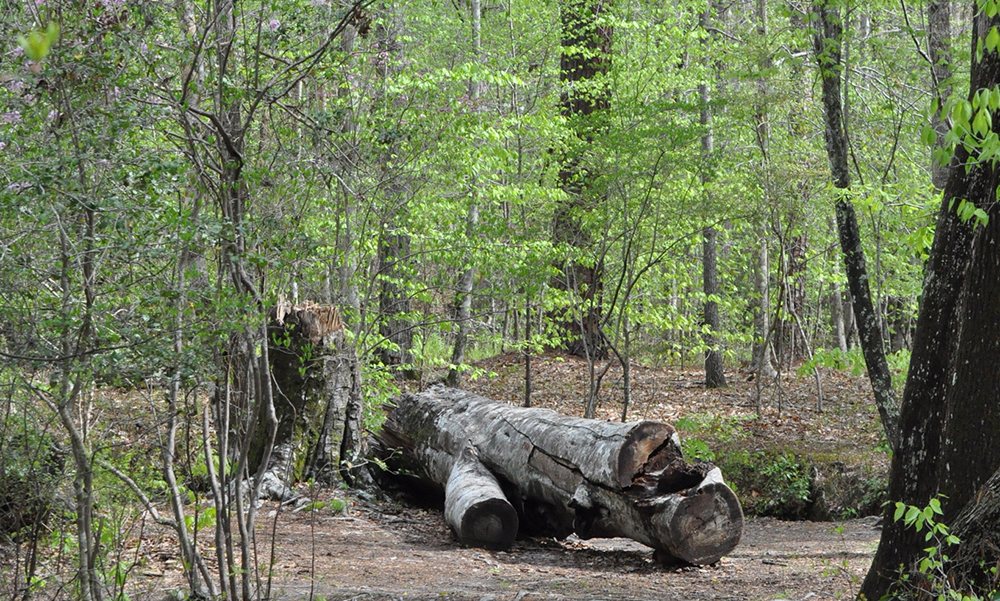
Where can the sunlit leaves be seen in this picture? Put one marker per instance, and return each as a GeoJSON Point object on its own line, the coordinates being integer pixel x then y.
{"type": "Point", "coordinates": [36, 45]}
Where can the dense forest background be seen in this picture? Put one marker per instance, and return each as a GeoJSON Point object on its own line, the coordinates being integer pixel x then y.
{"type": "Point", "coordinates": [625, 180]}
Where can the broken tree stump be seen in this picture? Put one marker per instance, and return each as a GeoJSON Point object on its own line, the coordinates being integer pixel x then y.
{"type": "Point", "coordinates": [568, 475]}
{"type": "Point", "coordinates": [317, 400]}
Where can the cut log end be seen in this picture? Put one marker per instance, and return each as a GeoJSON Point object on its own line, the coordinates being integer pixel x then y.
{"type": "Point", "coordinates": [647, 448]}
{"type": "Point", "coordinates": [475, 506]}
{"type": "Point", "coordinates": [703, 526]}
{"type": "Point", "coordinates": [491, 524]}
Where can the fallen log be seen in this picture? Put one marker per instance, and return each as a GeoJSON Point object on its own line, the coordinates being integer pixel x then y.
{"type": "Point", "coordinates": [475, 506]}
{"type": "Point", "coordinates": [568, 475]}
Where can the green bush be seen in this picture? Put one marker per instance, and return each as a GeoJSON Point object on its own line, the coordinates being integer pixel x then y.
{"type": "Point", "coordinates": [30, 474]}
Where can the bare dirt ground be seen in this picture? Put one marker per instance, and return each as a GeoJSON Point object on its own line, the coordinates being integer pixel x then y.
{"type": "Point", "coordinates": [392, 552]}
{"type": "Point", "coordinates": [381, 550]}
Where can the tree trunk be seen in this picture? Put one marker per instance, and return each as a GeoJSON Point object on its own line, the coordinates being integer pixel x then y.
{"type": "Point", "coordinates": [586, 56]}
{"type": "Point", "coordinates": [827, 50]}
{"type": "Point", "coordinates": [837, 317]}
{"type": "Point", "coordinates": [950, 414]}
{"type": "Point", "coordinates": [938, 41]}
{"type": "Point", "coordinates": [475, 506]}
{"type": "Point", "coordinates": [761, 363]}
{"type": "Point", "coordinates": [317, 379]}
{"type": "Point", "coordinates": [395, 325]}
{"type": "Point", "coordinates": [978, 527]}
{"type": "Point", "coordinates": [565, 474]}
{"type": "Point", "coordinates": [463, 296]}
{"type": "Point", "coordinates": [715, 375]}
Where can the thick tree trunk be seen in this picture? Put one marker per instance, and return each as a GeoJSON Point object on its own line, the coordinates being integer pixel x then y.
{"type": "Point", "coordinates": [586, 57]}
{"type": "Point", "coordinates": [565, 474]}
{"type": "Point", "coordinates": [715, 375]}
{"type": "Point", "coordinates": [317, 405]}
{"type": "Point", "coordinates": [827, 51]}
{"type": "Point", "coordinates": [950, 417]}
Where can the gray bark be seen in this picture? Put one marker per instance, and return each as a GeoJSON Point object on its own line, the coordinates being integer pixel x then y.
{"type": "Point", "coordinates": [762, 361]}
{"type": "Point", "coordinates": [715, 375]}
{"type": "Point", "coordinates": [565, 474]}
{"type": "Point", "coordinates": [837, 316]}
{"type": "Point", "coordinates": [475, 506]}
{"type": "Point", "coordinates": [317, 381]}
{"type": "Point", "coordinates": [463, 296]}
{"type": "Point", "coordinates": [828, 57]}
{"type": "Point", "coordinates": [938, 41]}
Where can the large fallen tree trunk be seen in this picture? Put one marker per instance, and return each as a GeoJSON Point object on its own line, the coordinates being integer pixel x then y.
{"type": "Point", "coordinates": [568, 475]}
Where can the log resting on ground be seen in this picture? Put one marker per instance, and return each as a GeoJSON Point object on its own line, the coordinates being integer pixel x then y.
{"type": "Point", "coordinates": [568, 475]}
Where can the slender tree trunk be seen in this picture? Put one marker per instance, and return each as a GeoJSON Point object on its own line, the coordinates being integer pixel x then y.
{"type": "Point", "coordinates": [828, 57]}
{"type": "Point", "coordinates": [761, 361]}
{"type": "Point", "coordinates": [463, 296]}
{"type": "Point", "coordinates": [347, 295]}
{"type": "Point", "coordinates": [715, 376]}
{"type": "Point", "coordinates": [938, 41]}
{"type": "Point", "coordinates": [837, 316]}
{"type": "Point", "coordinates": [395, 324]}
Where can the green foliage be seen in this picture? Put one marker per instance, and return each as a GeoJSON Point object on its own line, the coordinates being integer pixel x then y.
{"type": "Point", "coordinates": [30, 475]}
{"type": "Point", "coordinates": [931, 576]}
{"type": "Point", "coordinates": [36, 45]}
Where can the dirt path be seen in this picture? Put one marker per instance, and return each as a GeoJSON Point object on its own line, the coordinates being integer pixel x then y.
{"type": "Point", "coordinates": [385, 551]}
{"type": "Point", "coordinates": [382, 553]}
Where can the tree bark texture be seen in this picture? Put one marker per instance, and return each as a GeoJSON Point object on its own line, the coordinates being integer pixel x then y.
{"type": "Point", "coordinates": [394, 239]}
{"type": "Point", "coordinates": [938, 42]}
{"type": "Point", "coordinates": [463, 294]}
{"type": "Point", "coordinates": [828, 57]}
{"type": "Point", "coordinates": [585, 59]}
{"type": "Point", "coordinates": [318, 398]}
{"type": "Point", "coordinates": [715, 375]}
{"type": "Point", "coordinates": [568, 475]}
{"type": "Point", "coordinates": [475, 506]}
{"type": "Point", "coordinates": [978, 527]}
{"type": "Point", "coordinates": [950, 417]}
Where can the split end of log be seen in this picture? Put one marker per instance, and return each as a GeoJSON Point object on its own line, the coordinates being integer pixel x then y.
{"type": "Point", "coordinates": [701, 525]}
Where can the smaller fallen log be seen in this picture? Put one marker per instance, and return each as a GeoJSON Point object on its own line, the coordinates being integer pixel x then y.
{"type": "Point", "coordinates": [566, 475]}
{"type": "Point", "coordinates": [475, 506]}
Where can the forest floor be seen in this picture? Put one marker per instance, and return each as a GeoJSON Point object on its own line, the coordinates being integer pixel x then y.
{"type": "Point", "coordinates": [367, 549]}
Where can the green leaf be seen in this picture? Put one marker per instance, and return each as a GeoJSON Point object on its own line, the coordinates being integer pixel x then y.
{"type": "Point", "coordinates": [900, 509]}
{"type": "Point", "coordinates": [992, 39]}
{"type": "Point", "coordinates": [36, 45]}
